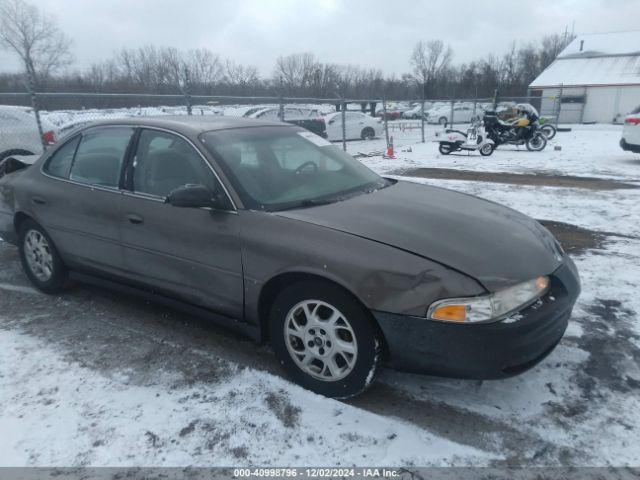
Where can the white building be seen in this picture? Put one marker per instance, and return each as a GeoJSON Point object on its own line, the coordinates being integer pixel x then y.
{"type": "Point", "coordinates": [599, 76]}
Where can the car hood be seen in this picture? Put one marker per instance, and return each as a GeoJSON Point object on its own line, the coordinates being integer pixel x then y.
{"type": "Point", "coordinates": [494, 244]}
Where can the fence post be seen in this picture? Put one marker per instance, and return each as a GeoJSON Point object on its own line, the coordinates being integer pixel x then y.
{"type": "Point", "coordinates": [559, 104]}
{"type": "Point", "coordinates": [452, 104]}
{"type": "Point", "coordinates": [187, 100]}
{"type": "Point", "coordinates": [280, 102]}
{"type": "Point", "coordinates": [422, 112]}
{"type": "Point", "coordinates": [343, 117]}
{"type": "Point", "coordinates": [475, 102]}
{"type": "Point", "coordinates": [386, 122]}
{"type": "Point", "coordinates": [34, 104]}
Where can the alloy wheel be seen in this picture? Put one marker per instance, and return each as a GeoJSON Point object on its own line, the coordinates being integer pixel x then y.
{"type": "Point", "coordinates": [38, 255]}
{"type": "Point", "coordinates": [320, 340]}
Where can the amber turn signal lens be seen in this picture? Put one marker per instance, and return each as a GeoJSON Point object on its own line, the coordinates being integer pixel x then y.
{"type": "Point", "coordinates": [542, 283]}
{"type": "Point", "coordinates": [450, 313]}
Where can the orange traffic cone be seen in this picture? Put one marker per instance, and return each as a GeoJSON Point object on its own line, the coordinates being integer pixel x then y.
{"type": "Point", "coordinates": [390, 153]}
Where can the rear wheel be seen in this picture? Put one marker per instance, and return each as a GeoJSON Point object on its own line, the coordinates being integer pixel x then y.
{"type": "Point", "coordinates": [445, 148]}
{"type": "Point", "coordinates": [324, 339]}
{"type": "Point", "coordinates": [367, 133]}
{"type": "Point", "coordinates": [40, 259]}
{"type": "Point", "coordinates": [537, 142]}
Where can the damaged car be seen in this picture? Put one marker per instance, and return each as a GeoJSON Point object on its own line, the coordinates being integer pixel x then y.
{"type": "Point", "coordinates": [271, 230]}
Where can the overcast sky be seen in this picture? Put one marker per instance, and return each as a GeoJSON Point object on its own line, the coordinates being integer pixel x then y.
{"type": "Point", "coordinates": [369, 33]}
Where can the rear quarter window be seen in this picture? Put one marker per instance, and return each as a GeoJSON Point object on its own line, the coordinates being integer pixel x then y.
{"type": "Point", "coordinates": [59, 165]}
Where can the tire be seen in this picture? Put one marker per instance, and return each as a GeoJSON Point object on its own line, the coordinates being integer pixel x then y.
{"type": "Point", "coordinates": [443, 120]}
{"type": "Point", "coordinates": [445, 148]}
{"type": "Point", "coordinates": [548, 130]}
{"type": "Point", "coordinates": [487, 149]}
{"type": "Point", "coordinates": [47, 275]}
{"type": "Point", "coordinates": [537, 142]}
{"type": "Point", "coordinates": [368, 133]}
{"type": "Point", "coordinates": [352, 372]}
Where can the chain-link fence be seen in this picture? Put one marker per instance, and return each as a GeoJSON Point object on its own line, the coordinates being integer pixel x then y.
{"type": "Point", "coordinates": [30, 123]}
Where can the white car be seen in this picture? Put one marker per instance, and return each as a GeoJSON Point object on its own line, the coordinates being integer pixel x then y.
{"type": "Point", "coordinates": [271, 113]}
{"type": "Point", "coordinates": [416, 110]}
{"type": "Point", "coordinates": [462, 113]}
{"type": "Point", "coordinates": [19, 132]}
{"type": "Point", "coordinates": [358, 126]}
{"type": "Point", "coordinates": [630, 140]}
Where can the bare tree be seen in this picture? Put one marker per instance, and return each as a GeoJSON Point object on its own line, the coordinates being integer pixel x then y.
{"type": "Point", "coordinates": [240, 76]}
{"type": "Point", "coordinates": [551, 46]}
{"type": "Point", "coordinates": [429, 59]}
{"type": "Point", "coordinates": [206, 67]}
{"type": "Point", "coordinates": [296, 70]}
{"type": "Point", "coordinates": [35, 38]}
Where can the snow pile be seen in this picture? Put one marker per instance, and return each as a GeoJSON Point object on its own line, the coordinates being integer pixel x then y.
{"type": "Point", "coordinates": [57, 413]}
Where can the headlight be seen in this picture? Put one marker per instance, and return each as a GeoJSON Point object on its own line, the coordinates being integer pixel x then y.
{"type": "Point", "coordinates": [489, 307]}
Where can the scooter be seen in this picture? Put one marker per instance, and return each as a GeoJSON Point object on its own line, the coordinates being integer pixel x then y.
{"type": "Point", "coordinates": [474, 139]}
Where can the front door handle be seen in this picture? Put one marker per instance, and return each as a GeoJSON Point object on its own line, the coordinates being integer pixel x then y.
{"type": "Point", "coordinates": [135, 219]}
{"type": "Point", "coordinates": [38, 200]}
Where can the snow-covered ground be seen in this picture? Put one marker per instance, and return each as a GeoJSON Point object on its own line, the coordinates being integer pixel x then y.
{"type": "Point", "coordinates": [94, 378]}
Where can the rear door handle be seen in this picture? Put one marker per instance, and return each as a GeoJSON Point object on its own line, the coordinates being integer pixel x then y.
{"type": "Point", "coordinates": [135, 219]}
{"type": "Point", "coordinates": [38, 200]}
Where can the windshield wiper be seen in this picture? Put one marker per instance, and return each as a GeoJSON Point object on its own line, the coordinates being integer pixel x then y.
{"type": "Point", "coordinates": [376, 187]}
{"type": "Point", "coordinates": [312, 202]}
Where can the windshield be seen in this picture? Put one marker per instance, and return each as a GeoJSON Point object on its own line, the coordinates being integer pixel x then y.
{"type": "Point", "coordinates": [276, 168]}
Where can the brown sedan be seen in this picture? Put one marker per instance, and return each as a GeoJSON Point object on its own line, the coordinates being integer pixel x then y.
{"type": "Point", "coordinates": [269, 229]}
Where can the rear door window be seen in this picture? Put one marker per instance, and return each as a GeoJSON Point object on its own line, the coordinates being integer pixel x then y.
{"type": "Point", "coordinates": [99, 157]}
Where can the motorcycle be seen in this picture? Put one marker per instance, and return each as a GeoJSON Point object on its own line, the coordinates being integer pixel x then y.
{"type": "Point", "coordinates": [475, 138]}
{"type": "Point", "coordinates": [504, 133]}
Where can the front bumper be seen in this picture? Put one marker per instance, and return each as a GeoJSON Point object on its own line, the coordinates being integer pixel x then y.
{"type": "Point", "coordinates": [484, 351]}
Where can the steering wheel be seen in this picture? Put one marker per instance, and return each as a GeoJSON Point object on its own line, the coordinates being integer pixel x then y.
{"type": "Point", "coordinates": [298, 170]}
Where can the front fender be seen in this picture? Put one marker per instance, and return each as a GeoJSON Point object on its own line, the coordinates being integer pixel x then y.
{"type": "Point", "coordinates": [382, 277]}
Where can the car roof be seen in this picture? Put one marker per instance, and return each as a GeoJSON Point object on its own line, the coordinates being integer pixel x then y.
{"type": "Point", "coordinates": [190, 124]}
{"type": "Point", "coordinates": [333, 114]}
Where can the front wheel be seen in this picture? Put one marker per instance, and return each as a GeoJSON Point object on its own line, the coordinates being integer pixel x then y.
{"type": "Point", "coordinates": [324, 339]}
{"type": "Point", "coordinates": [487, 149]}
{"type": "Point", "coordinates": [40, 259]}
{"type": "Point", "coordinates": [548, 130]}
{"type": "Point", "coordinates": [537, 142]}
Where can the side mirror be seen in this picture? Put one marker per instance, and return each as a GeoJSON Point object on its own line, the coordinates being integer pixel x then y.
{"type": "Point", "coordinates": [194, 196]}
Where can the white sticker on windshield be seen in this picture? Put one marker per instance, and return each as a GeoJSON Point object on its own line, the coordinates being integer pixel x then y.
{"type": "Point", "coordinates": [315, 139]}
